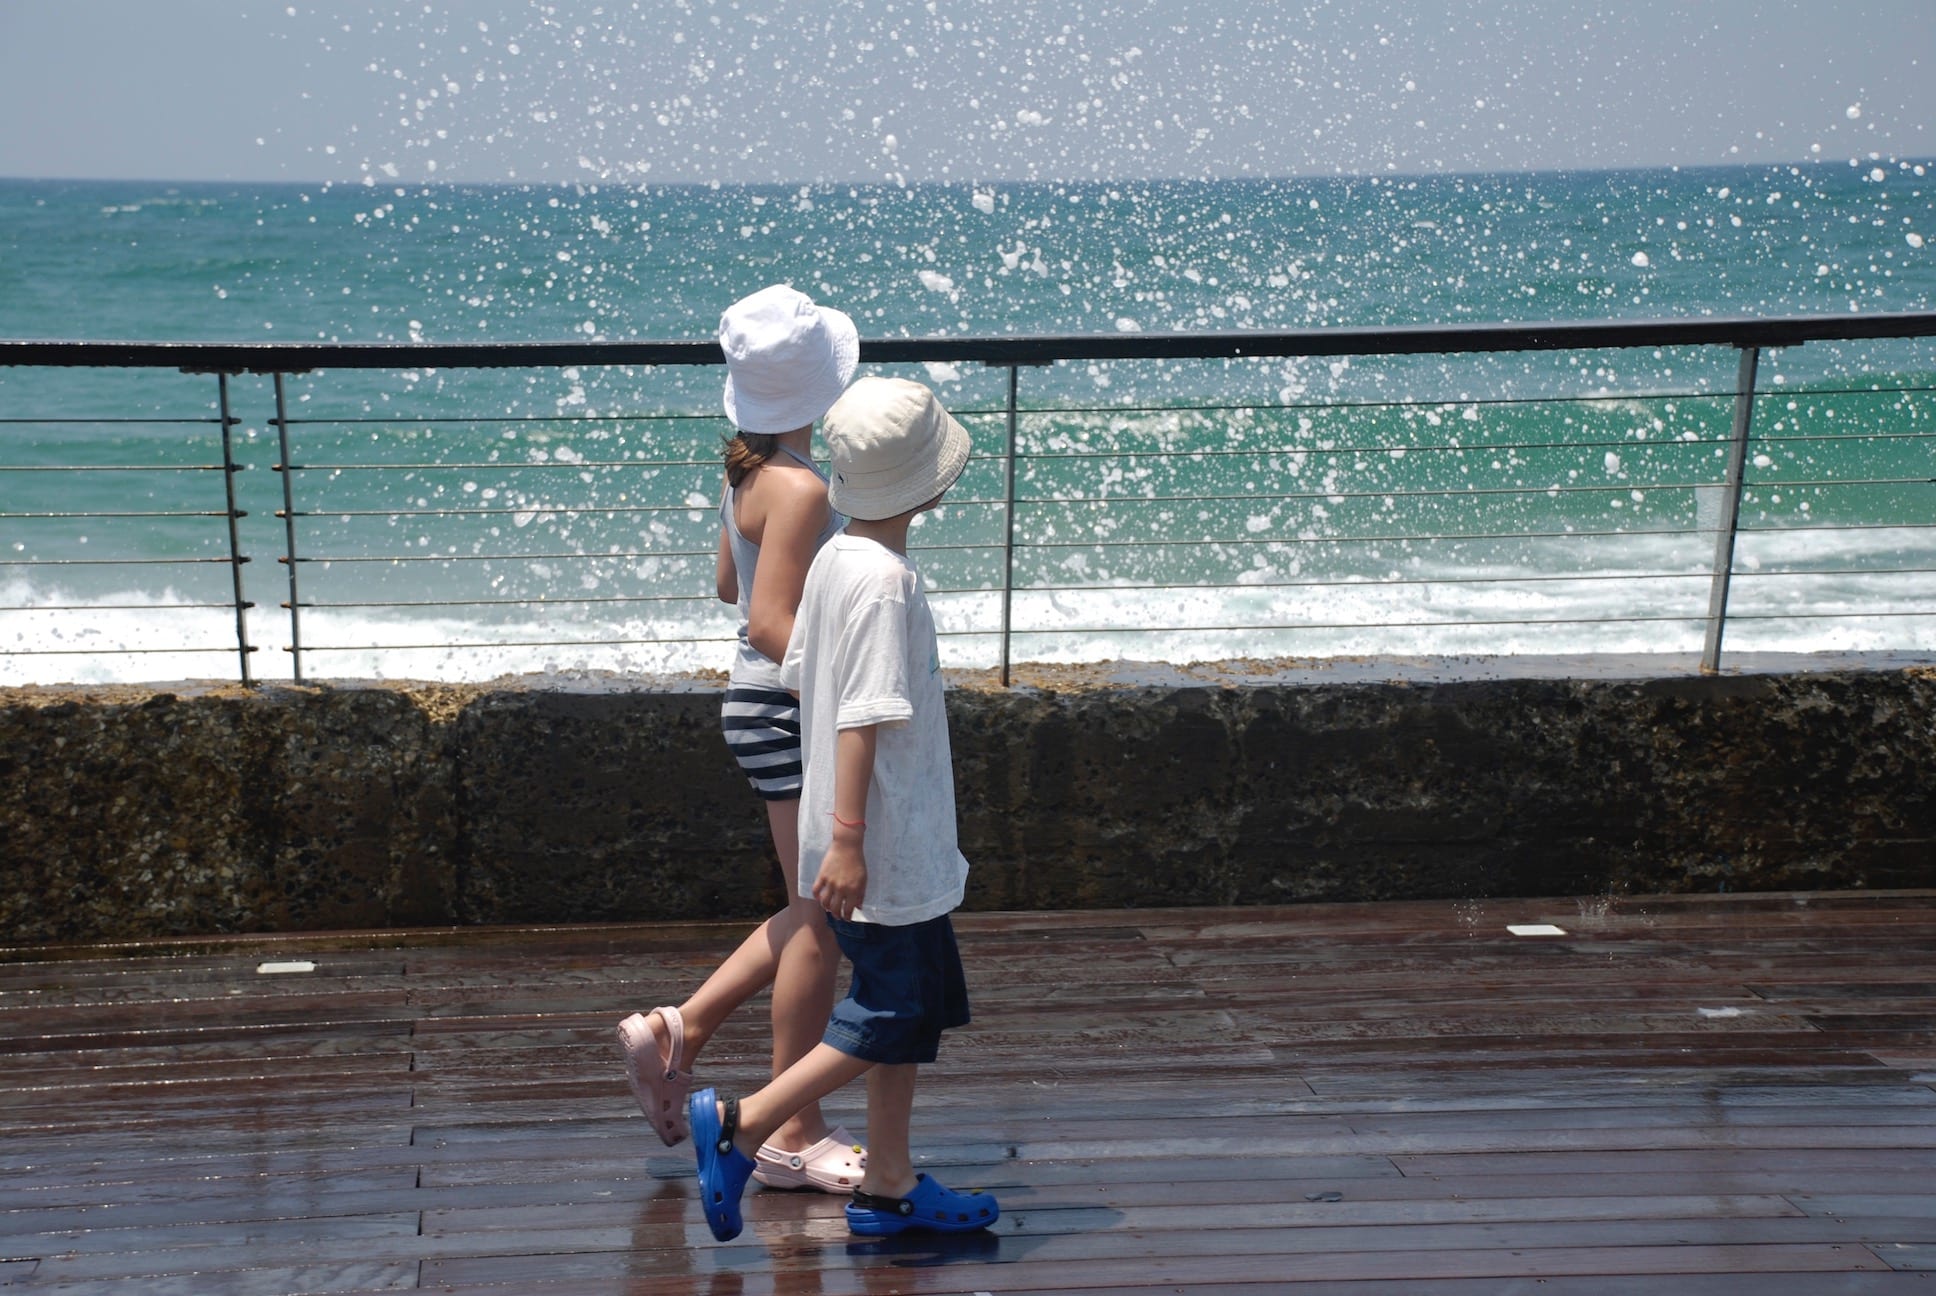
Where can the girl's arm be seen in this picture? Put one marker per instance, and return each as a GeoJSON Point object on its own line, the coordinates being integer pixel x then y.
{"type": "Point", "coordinates": [794, 520]}
{"type": "Point", "coordinates": [842, 882]}
{"type": "Point", "coordinates": [725, 574]}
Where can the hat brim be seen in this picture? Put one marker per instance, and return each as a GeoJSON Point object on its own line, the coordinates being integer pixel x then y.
{"type": "Point", "coordinates": [798, 409]}
{"type": "Point", "coordinates": [914, 490]}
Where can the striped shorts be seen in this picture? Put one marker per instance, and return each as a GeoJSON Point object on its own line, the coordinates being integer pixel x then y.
{"type": "Point", "coordinates": [763, 732]}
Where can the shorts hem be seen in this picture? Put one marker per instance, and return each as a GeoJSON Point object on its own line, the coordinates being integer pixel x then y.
{"type": "Point", "coordinates": [916, 1052]}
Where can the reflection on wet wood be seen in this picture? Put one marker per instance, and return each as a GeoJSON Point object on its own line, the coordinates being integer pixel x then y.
{"type": "Point", "coordinates": [1729, 1095]}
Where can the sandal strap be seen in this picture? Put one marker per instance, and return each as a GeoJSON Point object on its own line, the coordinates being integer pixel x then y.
{"type": "Point", "coordinates": [885, 1205]}
{"type": "Point", "coordinates": [675, 1041]}
{"type": "Point", "coordinates": [729, 1126]}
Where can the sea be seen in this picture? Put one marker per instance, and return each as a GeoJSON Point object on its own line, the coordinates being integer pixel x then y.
{"type": "Point", "coordinates": [473, 523]}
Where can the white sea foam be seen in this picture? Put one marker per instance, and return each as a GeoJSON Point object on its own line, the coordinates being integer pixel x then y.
{"type": "Point", "coordinates": [1642, 594]}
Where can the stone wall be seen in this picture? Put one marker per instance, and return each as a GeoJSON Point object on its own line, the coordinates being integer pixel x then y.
{"type": "Point", "coordinates": [141, 812]}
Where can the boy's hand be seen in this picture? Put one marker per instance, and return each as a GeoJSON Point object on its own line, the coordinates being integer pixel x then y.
{"type": "Point", "coordinates": [842, 882]}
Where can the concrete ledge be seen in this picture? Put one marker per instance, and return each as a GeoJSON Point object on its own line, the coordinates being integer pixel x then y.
{"type": "Point", "coordinates": [140, 812]}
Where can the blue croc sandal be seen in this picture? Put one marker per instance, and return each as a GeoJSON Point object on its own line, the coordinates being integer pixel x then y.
{"type": "Point", "coordinates": [723, 1168]}
{"type": "Point", "coordinates": [930, 1206]}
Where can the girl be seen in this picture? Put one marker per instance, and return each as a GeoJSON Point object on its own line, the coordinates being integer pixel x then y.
{"type": "Point", "coordinates": [787, 361]}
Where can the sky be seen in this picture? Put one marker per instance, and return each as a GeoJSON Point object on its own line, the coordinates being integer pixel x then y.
{"type": "Point", "coordinates": [794, 91]}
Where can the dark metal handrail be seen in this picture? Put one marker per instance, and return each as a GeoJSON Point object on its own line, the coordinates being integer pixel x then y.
{"type": "Point", "coordinates": [1414, 339]}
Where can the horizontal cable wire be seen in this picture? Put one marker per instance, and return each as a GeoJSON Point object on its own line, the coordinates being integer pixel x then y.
{"type": "Point", "coordinates": [114, 562]}
{"type": "Point", "coordinates": [502, 557]}
{"type": "Point", "coordinates": [305, 604]}
{"type": "Point", "coordinates": [499, 466]}
{"type": "Point", "coordinates": [516, 643]}
{"type": "Point", "coordinates": [1044, 501]}
{"type": "Point", "coordinates": [226, 650]}
{"type": "Point", "coordinates": [116, 421]}
{"type": "Point", "coordinates": [102, 517]}
{"type": "Point", "coordinates": [1368, 582]}
{"type": "Point", "coordinates": [1692, 618]}
{"type": "Point", "coordinates": [1695, 617]}
{"type": "Point", "coordinates": [120, 607]}
{"type": "Point", "coordinates": [82, 468]}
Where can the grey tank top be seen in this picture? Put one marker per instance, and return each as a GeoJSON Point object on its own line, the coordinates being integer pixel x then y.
{"type": "Point", "coordinates": [750, 665]}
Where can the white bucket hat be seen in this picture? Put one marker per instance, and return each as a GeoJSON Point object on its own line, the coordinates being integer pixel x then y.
{"type": "Point", "coordinates": [787, 359]}
{"type": "Point", "coordinates": [894, 448]}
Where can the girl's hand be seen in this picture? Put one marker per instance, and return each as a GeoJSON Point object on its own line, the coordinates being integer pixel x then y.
{"type": "Point", "coordinates": [842, 881]}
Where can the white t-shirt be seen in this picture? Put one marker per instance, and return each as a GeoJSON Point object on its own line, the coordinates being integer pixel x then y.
{"type": "Point", "coordinates": [864, 652]}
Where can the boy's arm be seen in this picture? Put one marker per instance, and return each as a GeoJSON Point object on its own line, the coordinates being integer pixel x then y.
{"type": "Point", "coordinates": [842, 882]}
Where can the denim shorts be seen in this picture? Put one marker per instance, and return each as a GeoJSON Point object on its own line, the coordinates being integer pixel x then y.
{"type": "Point", "coordinates": [907, 988]}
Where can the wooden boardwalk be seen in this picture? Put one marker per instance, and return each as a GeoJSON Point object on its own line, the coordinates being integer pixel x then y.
{"type": "Point", "coordinates": [1681, 1095]}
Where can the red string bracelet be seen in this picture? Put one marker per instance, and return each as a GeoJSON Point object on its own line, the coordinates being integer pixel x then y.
{"type": "Point", "coordinates": [847, 823]}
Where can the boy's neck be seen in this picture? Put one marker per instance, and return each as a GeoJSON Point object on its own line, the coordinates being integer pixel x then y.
{"type": "Point", "coordinates": [889, 533]}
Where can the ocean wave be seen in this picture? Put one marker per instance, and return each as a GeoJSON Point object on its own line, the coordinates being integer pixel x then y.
{"type": "Point", "coordinates": [1795, 593]}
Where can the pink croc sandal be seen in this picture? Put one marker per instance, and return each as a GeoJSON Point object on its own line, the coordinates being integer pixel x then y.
{"type": "Point", "coordinates": [658, 1081]}
{"type": "Point", "coordinates": [833, 1165]}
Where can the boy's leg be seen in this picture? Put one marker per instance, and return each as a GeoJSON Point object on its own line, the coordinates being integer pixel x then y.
{"type": "Point", "coordinates": [725, 1164]}
{"type": "Point", "coordinates": [823, 1070]}
{"type": "Point", "coordinates": [892, 1197]}
{"type": "Point", "coordinates": [890, 1108]}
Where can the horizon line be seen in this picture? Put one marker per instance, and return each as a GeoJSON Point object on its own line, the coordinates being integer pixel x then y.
{"type": "Point", "coordinates": [371, 182]}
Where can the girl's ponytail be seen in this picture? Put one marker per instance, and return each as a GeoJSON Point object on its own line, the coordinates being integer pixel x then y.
{"type": "Point", "coordinates": [746, 451]}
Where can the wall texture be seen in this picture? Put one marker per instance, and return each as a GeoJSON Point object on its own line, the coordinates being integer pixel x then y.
{"type": "Point", "coordinates": [142, 812]}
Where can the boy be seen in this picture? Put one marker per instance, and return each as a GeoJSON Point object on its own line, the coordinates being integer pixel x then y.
{"type": "Point", "coordinates": [877, 820]}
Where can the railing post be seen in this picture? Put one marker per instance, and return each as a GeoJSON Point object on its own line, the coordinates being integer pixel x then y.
{"type": "Point", "coordinates": [1008, 520]}
{"type": "Point", "coordinates": [1717, 602]}
{"type": "Point", "coordinates": [236, 557]}
{"type": "Point", "coordinates": [287, 469]}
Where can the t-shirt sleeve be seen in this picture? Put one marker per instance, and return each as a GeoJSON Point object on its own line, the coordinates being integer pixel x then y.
{"type": "Point", "coordinates": [872, 669]}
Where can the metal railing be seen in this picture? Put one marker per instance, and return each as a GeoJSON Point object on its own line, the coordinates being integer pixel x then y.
{"type": "Point", "coordinates": [1147, 487]}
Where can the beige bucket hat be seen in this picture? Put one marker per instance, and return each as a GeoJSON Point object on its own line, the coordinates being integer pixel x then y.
{"type": "Point", "coordinates": [894, 448]}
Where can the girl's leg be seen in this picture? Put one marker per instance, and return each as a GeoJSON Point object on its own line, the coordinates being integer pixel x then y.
{"type": "Point", "coordinates": [803, 984]}
{"type": "Point", "coordinates": [746, 971]}
{"type": "Point", "coordinates": [794, 952]}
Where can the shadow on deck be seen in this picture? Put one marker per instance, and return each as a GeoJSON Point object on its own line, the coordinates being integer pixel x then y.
{"type": "Point", "coordinates": [1686, 1094]}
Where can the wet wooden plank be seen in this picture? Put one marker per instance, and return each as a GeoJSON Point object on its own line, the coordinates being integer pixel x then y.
{"type": "Point", "coordinates": [348, 1279]}
{"type": "Point", "coordinates": [988, 1268]}
{"type": "Point", "coordinates": [1871, 1283]}
{"type": "Point", "coordinates": [222, 1241]}
{"type": "Point", "coordinates": [1684, 1161]}
{"type": "Point", "coordinates": [1876, 1202]}
{"type": "Point", "coordinates": [1908, 1257]}
{"type": "Point", "coordinates": [261, 1196]}
{"type": "Point", "coordinates": [117, 1034]}
{"type": "Point", "coordinates": [1067, 1244]}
